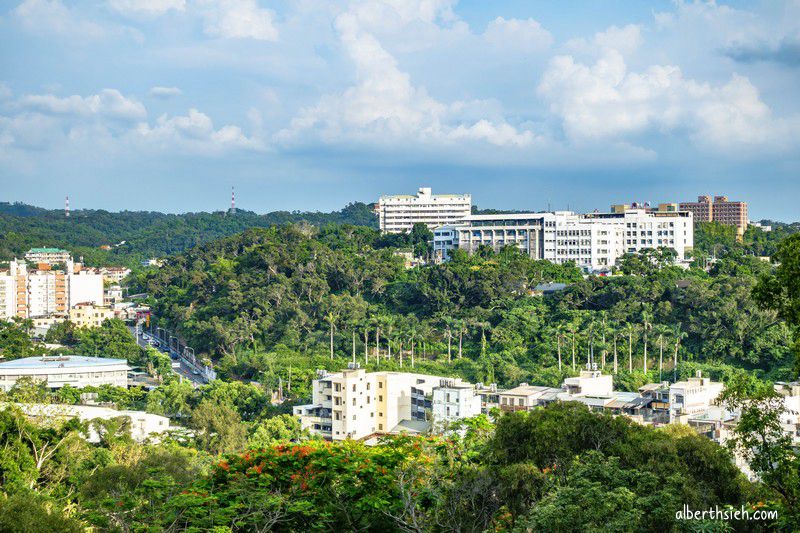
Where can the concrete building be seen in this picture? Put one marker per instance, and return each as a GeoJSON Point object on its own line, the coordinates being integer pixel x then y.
{"type": "Point", "coordinates": [114, 275]}
{"type": "Point", "coordinates": [47, 256]}
{"type": "Point", "coordinates": [691, 397]}
{"type": "Point", "coordinates": [399, 213]}
{"type": "Point", "coordinates": [790, 418]}
{"type": "Point", "coordinates": [143, 426]}
{"type": "Point", "coordinates": [525, 397]}
{"type": "Point", "coordinates": [43, 292]}
{"type": "Point", "coordinates": [355, 404]}
{"type": "Point", "coordinates": [88, 315]}
{"type": "Point", "coordinates": [590, 383]}
{"type": "Point", "coordinates": [720, 209]}
{"type": "Point", "coordinates": [74, 370]}
{"type": "Point", "coordinates": [593, 241]}
{"type": "Point", "coordinates": [453, 401]}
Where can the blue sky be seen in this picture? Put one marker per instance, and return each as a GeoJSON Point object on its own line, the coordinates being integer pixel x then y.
{"type": "Point", "coordinates": [310, 104]}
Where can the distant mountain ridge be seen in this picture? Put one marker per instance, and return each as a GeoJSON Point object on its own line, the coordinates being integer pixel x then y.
{"type": "Point", "coordinates": [145, 233]}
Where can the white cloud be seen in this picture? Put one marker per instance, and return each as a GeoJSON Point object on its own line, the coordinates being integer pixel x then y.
{"type": "Point", "coordinates": [147, 7]}
{"type": "Point", "coordinates": [108, 103]}
{"type": "Point", "coordinates": [239, 19]}
{"type": "Point", "coordinates": [195, 131]}
{"type": "Point", "coordinates": [384, 107]}
{"type": "Point", "coordinates": [48, 17]}
{"type": "Point", "coordinates": [624, 40]}
{"type": "Point", "coordinates": [527, 34]}
{"type": "Point", "coordinates": [604, 101]}
{"type": "Point", "coordinates": [164, 92]}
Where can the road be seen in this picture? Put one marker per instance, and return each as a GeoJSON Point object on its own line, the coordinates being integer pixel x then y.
{"type": "Point", "coordinates": [184, 370]}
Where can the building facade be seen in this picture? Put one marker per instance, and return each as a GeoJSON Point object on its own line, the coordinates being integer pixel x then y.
{"type": "Point", "coordinates": [43, 292]}
{"type": "Point", "coordinates": [593, 241]}
{"type": "Point", "coordinates": [719, 209]}
{"type": "Point", "coordinates": [88, 315]}
{"type": "Point", "coordinates": [47, 256]}
{"type": "Point", "coordinates": [693, 396]}
{"type": "Point", "coordinates": [453, 401]}
{"type": "Point", "coordinates": [356, 404]}
{"type": "Point", "coordinates": [74, 370]}
{"type": "Point", "coordinates": [398, 214]}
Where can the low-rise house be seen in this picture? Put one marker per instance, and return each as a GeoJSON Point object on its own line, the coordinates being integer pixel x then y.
{"type": "Point", "coordinates": [525, 397]}
{"type": "Point", "coordinates": [143, 426]}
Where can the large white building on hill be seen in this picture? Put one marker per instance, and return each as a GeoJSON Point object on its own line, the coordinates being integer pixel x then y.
{"type": "Point", "coordinates": [399, 213]}
{"type": "Point", "coordinates": [58, 371]}
{"type": "Point", "coordinates": [593, 241]}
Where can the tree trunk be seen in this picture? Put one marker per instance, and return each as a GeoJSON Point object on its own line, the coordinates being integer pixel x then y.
{"type": "Point", "coordinates": [412, 353]}
{"type": "Point", "coordinates": [460, 338]}
{"type": "Point", "coordinates": [558, 343]}
{"type": "Point", "coordinates": [331, 341]}
{"type": "Point", "coordinates": [630, 351]}
{"type": "Point", "coordinates": [660, 356]}
{"type": "Point", "coordinates": [354, 345]}
{"type": "Point", "coordinates": [366, 346]}
{"type": "Point", "coordinates": [449, 339]}
{"type": "Point", "coordinates": [615, 353]}
{"type": "Point", "coordinates": [573, 352]}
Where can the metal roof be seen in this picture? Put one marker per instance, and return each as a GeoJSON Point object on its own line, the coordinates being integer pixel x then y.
{"type": "Point", "coordinates": [67, 361]}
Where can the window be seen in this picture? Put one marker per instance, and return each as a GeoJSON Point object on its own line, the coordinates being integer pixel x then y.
{"type": "Point", "coordinates": [354, 387]}
{"type": "Point", "coordinates": [354, 401]}
{"type": "Point", "coordinates": [380, 398]}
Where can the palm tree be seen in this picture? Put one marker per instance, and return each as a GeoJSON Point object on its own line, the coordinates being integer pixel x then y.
{"type": "Point", "coordinates": [679, 335]}
{"type": "Point", "coordinates": [461, 329]}
{"type": "Point", "coordinates": [615, 352]}
{"type": "Point", "coordinates": [559, 335]}
{"type": "Point", "coordinates": [331, 317]}
{"type": "Point", "coordinates": [646, 326]}
{"type": "Point", "coordinates": [573, 328]}
{"type": "Point", "coordinates": [630, 329]}
{"type": "Point", "coordinates": [389, 321]}
{"type": "Point", "coordinates": [661, 330]}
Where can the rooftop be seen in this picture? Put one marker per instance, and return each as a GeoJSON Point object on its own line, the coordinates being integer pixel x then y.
{"type": "Point", "coordinates": [66, 361]}
{"type": "Point", "coordinates": [47, 251]}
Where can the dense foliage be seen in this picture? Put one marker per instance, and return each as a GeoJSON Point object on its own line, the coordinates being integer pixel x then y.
{"type": "Point", "coordinates": [287, 294]}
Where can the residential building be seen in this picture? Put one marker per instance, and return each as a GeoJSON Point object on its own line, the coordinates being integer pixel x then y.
{"type": "Point", "coordinates": [47, 256]}
{"type": "Point", "coordinates": [89, 315]}
{"type": "Point", "coordinates": [720, 209]}
{"type": "Point", "coordinates": [399, 213]}
{"type": "Point", "coordinates": [790, 418]}
{"type": "Point", "coordinates": [453, 401]}
{"type": "Point", "coordinates": [355, 404]}
{"type": "Point", "coordinates": [74, 370]}
{"type": "Point", "coordinates": [43, 292]}
{"type": "Point", "coordinates": [525, 397]}
{"type": "Point", "coordinates": [593, 241]}
{"type": "Point", "coordinates": [489, 395]}
{"type": "Point", "coordinates": [114, 275]}
{"type": "Point", "coordinates": [691, 397]}
{"type": "Point", "coordinates": [143, 426]}
{"type": "Point", "coordinates": [590, 383]}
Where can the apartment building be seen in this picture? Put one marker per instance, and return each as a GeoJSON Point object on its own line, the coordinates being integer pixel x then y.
{"type": "Point", "coordinates": [593, 241]}
{"type": "Point", "coordinates": [356, 404]}
{"type": "Point", "coordinates": [399, 213]}
{"type": "Point", "coordinates": [114, 275]}
{"type": "Point", "coordinates": [719, 209]}
{"type": "Point", "coordinates": [89, 315]}
{"type": "Point", "coordinates": [43, 292]}
{"type": "Point", "coordinates": [452, 401]}
{"type": "Point", "coordinates": [47, 256]}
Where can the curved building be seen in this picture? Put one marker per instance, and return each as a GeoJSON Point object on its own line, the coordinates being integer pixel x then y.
{"type": "Point", "coordinates": [75, 370]}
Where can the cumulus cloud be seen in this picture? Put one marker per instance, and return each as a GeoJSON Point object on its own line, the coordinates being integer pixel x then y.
{"type": "Point", "coordinates": [239, 19]}
{"type": "Point", "coordinates": [195, 131]}
{"type": "Point", "coordinates": [527, 34]}
{"type": "Point", "coordinates": [52, 17]}
{"type": "Point", "coordinates": [385, 106]}
{"type": "Point", "coordinates": [108, 103]}
{"type": "Point", "coordinates": [624, 40]}
{"type": "Point", "coordinates": [147, 7]}
{"type": "Point", "coordinates": [605, 101]}
{"type": "Point", "coordinates": [164, 92]}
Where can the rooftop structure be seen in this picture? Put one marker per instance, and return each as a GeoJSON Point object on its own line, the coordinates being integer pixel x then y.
{"type": "Point", "coordinates": [399, 213]}
{"type": "Point", "coordinates": [75, 370]}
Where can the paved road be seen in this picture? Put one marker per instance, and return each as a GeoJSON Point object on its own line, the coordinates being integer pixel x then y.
{"type": "Point", "coordinates": [184, 370]}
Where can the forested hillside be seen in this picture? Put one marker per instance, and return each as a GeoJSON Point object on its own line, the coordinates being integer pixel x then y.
{"type": "Point", "coordinates": [310, 294]}
{"type": "Point", "coordinates": [146, 234]}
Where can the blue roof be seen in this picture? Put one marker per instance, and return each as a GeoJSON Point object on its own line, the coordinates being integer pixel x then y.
{"type": "Point", "coordinates": [64, 361]}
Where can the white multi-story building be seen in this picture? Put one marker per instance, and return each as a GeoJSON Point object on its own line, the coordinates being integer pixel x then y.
{"type": "Point", "coordinates": [74, 370]}
{"type": "Point", "coordinates": [398, 214]}
{"type": "Point", "coordinates": [593, 241]}
{"type": "Point", "coordinates": [43, 292]}
{"type": "Point", "coordinates": [355, 404]}
{"type": "Point", "coordinates": [88, 315]}
{"type": "Point", "coordinates": [453, 401]}
{"type": "Point", "coordinates": [693, 396]}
